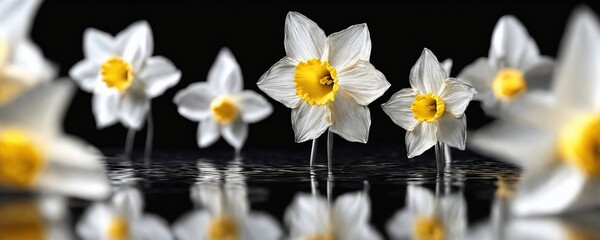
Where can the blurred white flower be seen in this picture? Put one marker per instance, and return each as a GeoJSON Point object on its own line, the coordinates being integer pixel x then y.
{"type": "Point", "coordinates": [432, 109]}
{"type": "Point", "coordinates": [22, 64]}
{"type": "Point", "coordinates": [36, 155]}
{"type": "Point", "coordinates": [326, 81]}
{"type": "Point", "coordinates": [312, 217]}
{"type": "Point", "coordinates": [428, 217]}
{"type": "Point", "coordinates": [514, 65]}
{"type": "Point", "coordinates": [123, 74]}
{"type": "Point", "coordinates": [224, 211]}
{"type": "Point", "coordinates": [554, 135]}
{"type": "Point", "coordinates": [121, 219]}
{"type": "Point", "coordinates": [26, 219]}
{"type": "Point", "coordinates": [221, 105]}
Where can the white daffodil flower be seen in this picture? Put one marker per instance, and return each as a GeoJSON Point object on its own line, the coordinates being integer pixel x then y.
{"type": "Point", "coordinates": [224, 211]}
{"type": "Point", "coordinates": [429, 217]}
{"type": "Point", "coordinates": [221, 105]}
{"type": "Point", "coordinates": [36, 155]}
{"type": "Point", "coordinates": [26, 219]}
{"type": "Point", "coordinates": [513, 67]}
{"type": "Point", "coordinates": [326, 81]}
{"type": "Point", "coordinates": [22, 64]}
{"type": "Point", "coordinates": [554, 135]}
{"type": "Point", "coordinates": [432, 109]}
{"type": "Point", "coordinates": [123, 218]}
{"type": "Point", "coordinates": [122, 74]}
{"type": "Point", "coordinates": [312, 217]}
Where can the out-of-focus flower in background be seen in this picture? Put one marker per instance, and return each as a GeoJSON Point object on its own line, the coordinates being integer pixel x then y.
{"type": "Point", "coordinates": [555, 135]}
{"type": "Point", "coordinates": [429, 217]}
{"type": "Point", "coordinates": [313, 217]}
{"type": "Point", "coordinates": [223, 210]}
{"type": "Point", "coordinates": [123, 218]}
{"type": "Point", "coordinates": [36, 155]}
{"type": "Point", "coordinates": [221, 105]}
{"type": "Point", "coordinates": [26, 218]}
{"type": "Point", "coordinates": [513, 67]}
{"type": "Point", "coordinates": [326, 81]}
{"type": "Point", "coordinates": [22, 64]}
{"type": "Point", "coordinates": [122, 74]}
{"type": "Point", "coordinates": [432, 109]}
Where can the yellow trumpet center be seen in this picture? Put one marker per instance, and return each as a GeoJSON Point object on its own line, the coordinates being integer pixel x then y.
{"type": "Point", "coordinates": [428, 228]}
{"type": "Point", "coordinates": [428, 107]}
{"type": "Point", "coordinates": [222, 228]}
{"type": "Point", "coordinates": [20, 159]}
{"type": "Point", "coordinates": [508, 84]}
{"type": "Point", "coordinates": [117, 73]}
{"type": "Point", "coordinates": [579, 144]}
{"type": "Point", "coordinates": [323, 236]}
{"type": "Point", "coordinates": [21, 220]}
{"type": "Point", "coordinates": [316, 82]}
{"type": "Point", "coordinates": [118, 229]}
{"type": "Point", "coordinates": [224, 109]}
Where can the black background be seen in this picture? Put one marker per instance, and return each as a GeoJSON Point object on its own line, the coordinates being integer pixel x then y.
{"type": "Point", "coordinates": [190, 33]}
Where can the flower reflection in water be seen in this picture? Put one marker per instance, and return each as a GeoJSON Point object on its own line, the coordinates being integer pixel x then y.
{"type": "Point", "coordinates": [33, 218]}
{"type": "Point", "coordinates": [222, 209]}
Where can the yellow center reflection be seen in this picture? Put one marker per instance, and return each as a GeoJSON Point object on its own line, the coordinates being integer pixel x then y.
{"type": "Point", "coordinates": [20, 159]}
{"type": "Point", "coordinates": [428, 228]}
{"type": "Point", "coordinates": [316, 81]}
{"type": "Point", "coordinates": [579, 144]}
{"type": "Point", "coordinates": [21, 221]}
{"type": "Point", "coordinates": [508, 84]}
{"type": "Point", "coordinates": [428, 107]}
{"type": "Point", "coordinates": [224, 109]}
{"type": "Point", "coordinates": [223, 228]}
{"type": "Point", "coordinates": [325, 236]}
{"type": "Point", "coordinates": [117, 73]}
{"type": "Point", "coordinates": [118, 229]}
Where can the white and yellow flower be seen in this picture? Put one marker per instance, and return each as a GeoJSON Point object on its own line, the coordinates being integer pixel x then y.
{"type": "Point", "coordinates": [122, 219]}
{"type": "Point", "coordinates": [326, 81]}
{"type": "Point", "coordinates": [224, 211]}
{"type": "Point", "coordinates": [22, 64]}
{"type": "Point", "coordinates": [312, 217]}
{"type": "Point", "coordinates": [432, 109]}
{"type": "Point", "coordinates": [555, 135]}
{"type": "Point", "coordinates": [429, 218]}
{"type": "Point", "coordinates": [123, 74]}
{"type": "Point", "coordinates": [221, 105]}
{"type": "Point", "coordinates": [36, 155]}
{"type": "Point", "coordinates": [513, 67]}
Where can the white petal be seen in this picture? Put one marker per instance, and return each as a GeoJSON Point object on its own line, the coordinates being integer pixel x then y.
{"type": "Point", "coordinates": [158, 75]}
{"type": "Point", "coordinates": [363, 82]}
{"type": "Point", "coordinates": [193, 102]}
{"type": "Point", "coordinates": [235, 133]}
{"type": "Point", "coordinates": [364, 232]}
{"type": "Point", "coordinates": [225, 75]}
{"type": "Point", "coordinates": [539, 74]}
{"type": "Point", "coordinates": [98, 46]}
{"type": "Point", "coordinates": [420, 139]}
{"type": "Point", "coordinates": [129, 201]}
{"type": "Point", "coordinates": [348, 46]}
{"type": "Point", "coordinates": [133, 109]}
{"type": "Point", "coordinates": [75, 169]}
{"type": "Point", "coordinates": [420, 201]}
{"type": "Point", "coordinates": [576, 83]}
{"type": "Point", "coordinates": [309, 121]}
{"type": "Point", "coordinates": [253, 106]}
{"type": "Point", "coordinates": [140, 45]}
{"type": "Point", "coordinates": [537, 108]}
{"type": "Point", "coordinates": [452, 131]}
{"type": "Point", "coordinates": [454, 215]}
{"type": "Point", "coordinates": [28, 59]}
{"type": "Point", "coordinates": [94, 222]}
{"type": "Point", "coordinates": [457, 96]}
{"type": "Point", "coordinates": [307, 215]}
{"type": "Point", "coordinates": [304, 39]}
{"type": "Point", "coordinates": [350, 119]}
{"type": "Point", "coordinates": [427, 75]}
{"type": "Point", "coordinates": [150, 227]}
{"type": "Point", "coordinates": [105, 106]}
{"type": "Point", "coordinates": [398, 108]}
{"type": "Point", "coordinates": [208, 132]}
{"type": "Point", "coordinates": [279, 84]}
{"type": "Point", "coordinates": [349, 212]}
{"type": "Point", "coordinates": [192, 225]}
{"type": "Point", "coordinates": [260, 226]}
{"type": "Point", "coordinates": [400, 226]}
{"type": "Point", "coordinates": [552, 191]}
{"type": "Point", "coordinates": [511, 44]}
{"type": "Point", "coordinates": [16, 17]}
{"type": "Point", "coordinates": [447, 65]}
{"type": "Point", "coordinates": [86, 74]}
{"type": "Point", "coordinates": [480, 75]}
